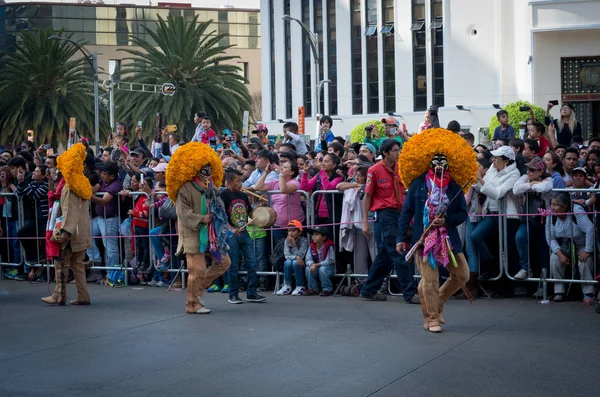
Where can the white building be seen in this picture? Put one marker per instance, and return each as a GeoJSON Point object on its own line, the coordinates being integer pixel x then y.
{"type": "Point", "coordinates": [401, 56]}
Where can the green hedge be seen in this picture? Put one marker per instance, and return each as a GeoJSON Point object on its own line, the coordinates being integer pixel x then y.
{"type": "Point", "coordinates": [358, 133]}
{"type": "Point", "coordinates": [515, 116]}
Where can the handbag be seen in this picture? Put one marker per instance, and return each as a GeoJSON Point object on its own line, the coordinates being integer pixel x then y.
{"type": "Point", "coordinates": [168, 210]}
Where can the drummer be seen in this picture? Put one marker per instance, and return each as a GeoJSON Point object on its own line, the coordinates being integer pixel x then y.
{"type": "Point", "coordinates": [238, 207]}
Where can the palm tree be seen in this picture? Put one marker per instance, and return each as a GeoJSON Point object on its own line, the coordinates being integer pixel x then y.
{"type": "Point", "coordinates": [42, 86]}
{"type": "Point", "coordinates": [191, 58]}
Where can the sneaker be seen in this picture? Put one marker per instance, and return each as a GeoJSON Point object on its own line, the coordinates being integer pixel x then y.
{"type": "Point", "coordinates": [12, 274]}
{"type": "Point", "coordinates": [225, 289]}
{"type": "Point", "coordinates": [166, 258]}
{"type": "Point", "coordinates": [152, 283]}
{"type": "Point", "coordinates": [263, 285]}
{"type": "Point", "coordinates": [415, 299]}
{"type": "Point", "coordinates": [255, 298]}
{"type": "Point", "coordinates": [160, 284]}
{"type": "Point", "coordinates": [285, 290]}
{"type": "Point", "coordinates": [326, 293]}
{"type": "Point", "coordinates": [522, 275]}
{"type": "Point", "coordinates": [374, 297]}
{"type": "Point", "coordinates": [384, 289]}
{"type": "Point", "coordinates": [298, 291]}
{"type": "Point", "coordinates": [21, 277]}
{"type": "Point", "coordinates": [589, 301]}
{"type": "Point", "coordinates": [213, 288]}
{"type": "Point", "coordinates": [235, 300]}
{"type": "Point", "coordinates": [311, 292]}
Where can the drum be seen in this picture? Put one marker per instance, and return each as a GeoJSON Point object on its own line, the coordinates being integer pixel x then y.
{"type": "Point", "coordinates": [264, 217]}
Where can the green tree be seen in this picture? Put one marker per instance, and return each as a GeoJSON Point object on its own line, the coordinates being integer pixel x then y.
{"type": "Point", "coordinates": [43, 84]}
{"type": "Point", "coordinates": [516, 117]}
{"type": "Point", "coordinates": [190, 57]}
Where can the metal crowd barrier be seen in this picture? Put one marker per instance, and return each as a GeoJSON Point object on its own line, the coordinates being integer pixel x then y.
{"type": "Point", "coordinates": [11, 254]}
{"type": "Point", "coordinates": [546, 277]}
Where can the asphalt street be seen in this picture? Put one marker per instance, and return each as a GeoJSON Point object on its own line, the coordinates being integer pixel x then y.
{"type": "Point", "coordinates": [140, 342]}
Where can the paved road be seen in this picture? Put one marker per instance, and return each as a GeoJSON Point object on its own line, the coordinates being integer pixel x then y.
{"type": "Point", "coordinates": [140, 342]}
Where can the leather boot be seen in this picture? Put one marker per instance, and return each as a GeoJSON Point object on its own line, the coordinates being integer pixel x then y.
{"type": "Point", "coordinates": [76, 263]}
{"type": "Point", "coordinates": [59, 297]}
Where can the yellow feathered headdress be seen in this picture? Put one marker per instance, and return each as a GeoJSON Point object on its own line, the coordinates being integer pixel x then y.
{"type": "Point", "coordinates": [420, 149]}
{"type": "Point", "coordinates": [70, 164]}
{"type": "Point", "coordinates": [187, 161]}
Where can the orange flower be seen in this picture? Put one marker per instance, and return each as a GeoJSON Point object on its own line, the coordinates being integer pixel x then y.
{"type": "Point", "coordinates": [70, 164]}
{"type": "Point", "coordinates": [420, 149]}
{"type": "Point", "coordinates": [187, 161]}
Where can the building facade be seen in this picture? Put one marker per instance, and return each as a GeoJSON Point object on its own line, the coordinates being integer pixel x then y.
{"type": "Point", "coordinates": [402, 56]}
{"type": "Point", "coordinates": [107, 28]}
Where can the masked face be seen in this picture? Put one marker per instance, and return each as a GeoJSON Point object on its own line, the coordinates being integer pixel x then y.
{"type": "Point", "coordinates": [439, 163]}
{"type": "Point", "coordinates": [205, 173]}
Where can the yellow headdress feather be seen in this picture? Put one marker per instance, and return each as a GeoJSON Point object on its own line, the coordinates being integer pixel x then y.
{"type": "Point", "coordinates": [70, 164]}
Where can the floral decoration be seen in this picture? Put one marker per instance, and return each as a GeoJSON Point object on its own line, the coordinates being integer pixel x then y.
{"type": "Point", "coordinates": [70, 164]}
{"type": "Point", "coordinates": [420, 149]}
{"type": "Point", "coordinates": [187, 161]}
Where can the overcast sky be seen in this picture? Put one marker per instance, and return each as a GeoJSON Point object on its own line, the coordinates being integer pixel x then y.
{"type": "Point", "coordinates": [195, 3]}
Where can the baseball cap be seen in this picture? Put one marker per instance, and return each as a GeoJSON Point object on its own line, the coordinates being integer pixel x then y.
{"type": "Point", "coordinates": [505, 151]}
{"type": "Point", "coordinates": [161, 167]}
{"type": "Point", "coordinates": [295, 225]}
{"type": "Point", "coordinates": [370, 147]}
{"type": "Point", "coordinates": [391, 120]}
{"type": "Point", "coordinates": [260, 128]}
{"type": "Point", "coordinates": [579, 169]}
{"type": "Point", "coordinates": [324, 230]}
{"type": "Point", "coordinates": [536, 164]}
{"type": "Point", "coordinates": [138, 151]}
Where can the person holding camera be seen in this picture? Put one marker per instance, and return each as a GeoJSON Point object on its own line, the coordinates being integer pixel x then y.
{"type": "Point", "coordinates": [564, 128]}
{"type": "Point", "coordinates": [392, 130]}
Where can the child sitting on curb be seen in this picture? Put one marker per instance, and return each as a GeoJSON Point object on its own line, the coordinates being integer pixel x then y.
{"type": "Point", "coordinates": [320, 261]}
{"type": "Point", "coordinates": [294, 250]}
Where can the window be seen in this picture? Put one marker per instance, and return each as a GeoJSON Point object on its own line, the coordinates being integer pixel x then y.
{"type": "Point", "coordinates": [437, 40]}
{"type": "Point", "coordinates": [371, 31]}
{"type": "Point", "coordinates": [223, 28]}
{"type": "Point", "coordinates": [356, 38]}
{"type": "Point", "coordinates": [288, 62]}
{"type": "Point", "coordinates": [387, 29]}
{"type": "Point", "coordinates": [244, 70]}
{"type": "Point", "coordinates": [122, 30]}
{"type": "Point", "coordinates": [419, 56]}
{"type": "Point", "coordinates": [389, 69]}
{"type": "Point", "coordinates": [332, 57]}
{"type": "Point", "coordinates": [372, 61]}
{"type": "Point", "coordinates": [306, 61]}
{"type": "Point", "coordinates": [272, 40]}
{"type": "Point", "coordinates": [318, 29]}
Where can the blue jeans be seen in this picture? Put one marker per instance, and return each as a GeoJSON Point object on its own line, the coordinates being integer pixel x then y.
{"type": "Point", "coordinates": [291, 267]}
{"type": "Point", "coordinates": [243, 244]}
{"type": "Point", "coordinates": [260, 254]}
{"type": "Point", "coordinates": [94, 253]}
{"type": "Point", "coordinates": [110, 227]}
{"type": "Point", "coordinates": [13, 248]}
{"type": "Point", "coordinates": [485, 230]}
{"type": "Point", "coordinates": [386, 230]}
{"type": "Point", "coordinates": [472, 258]}
{"type": "Point", "coordinates": [159, 251]}
{"type": "Point", "coordinates": [539, 257]}
{"type": "Point", "coordinates": [322, 275]}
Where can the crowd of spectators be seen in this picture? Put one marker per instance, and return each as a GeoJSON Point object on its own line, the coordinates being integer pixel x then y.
{"type": "Point", "coordinates": [516, 179]}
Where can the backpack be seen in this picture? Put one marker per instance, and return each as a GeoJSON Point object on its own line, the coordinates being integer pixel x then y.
{"type": "Point", "coordinates": [168, 210]}
{"type": "Point", "coordinates": [277, 258]}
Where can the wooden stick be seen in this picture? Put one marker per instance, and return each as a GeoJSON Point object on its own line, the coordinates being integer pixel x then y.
{"type": "Point", "coordinates": [254, 194]}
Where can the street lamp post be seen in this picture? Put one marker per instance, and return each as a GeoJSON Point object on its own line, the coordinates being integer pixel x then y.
{"type": "Point", "coordinates": [92, 59]}
{"type": "Point", "coordinates": [314, 45]}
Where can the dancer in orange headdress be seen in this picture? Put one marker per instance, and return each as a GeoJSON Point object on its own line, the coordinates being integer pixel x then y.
{"type": "Point", "coordinates": [193, 176]}
{"type": "Point", "coordinates": [74, 231]}
{"type": "Point", "coordinates": [434, 165]}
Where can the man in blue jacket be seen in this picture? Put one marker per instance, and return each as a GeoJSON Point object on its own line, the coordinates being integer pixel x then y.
{"type": "Point", "coordinates": [429, 202]}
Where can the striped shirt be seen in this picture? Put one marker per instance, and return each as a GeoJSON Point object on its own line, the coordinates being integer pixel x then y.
{"type": "Point", "coordinates": [581, 231]}
{"type": "Point", "coordinates": [35, 199]}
